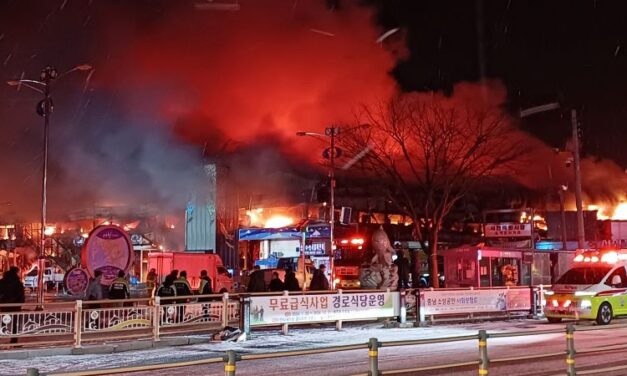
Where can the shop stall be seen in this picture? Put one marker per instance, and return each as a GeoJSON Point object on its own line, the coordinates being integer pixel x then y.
{"type": "Point", "coordinates": [495, 267]}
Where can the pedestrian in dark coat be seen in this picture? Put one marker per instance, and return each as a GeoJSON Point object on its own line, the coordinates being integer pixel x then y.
{"type": "Point", "coordinates": [11, 292]}
{"type": "Point", "coordinates": [402, 263]}
{"type": "Point", "coordinates": [95, 289]}
{"type": "Point", "coordinates": [276, 284]}
{"type": "Point", "coordinates": [291, 283]}
{"type": "Point", "coordinates": [256, 282]}
{"type": "Point", "coordinates": [319, 280]}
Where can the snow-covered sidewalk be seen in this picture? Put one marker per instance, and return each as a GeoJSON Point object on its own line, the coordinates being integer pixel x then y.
{"type": "Point", "coordinates": [260, 342]}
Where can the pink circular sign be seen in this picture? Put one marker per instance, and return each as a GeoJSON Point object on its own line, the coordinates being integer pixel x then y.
{"type": "Point", "coordinates": [108, 249]}
{"type": "Point", "coordinates": [76, 281]}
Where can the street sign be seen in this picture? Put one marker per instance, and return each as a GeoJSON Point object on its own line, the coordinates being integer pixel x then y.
{"type": "Point", "coordinates": [509, 230]}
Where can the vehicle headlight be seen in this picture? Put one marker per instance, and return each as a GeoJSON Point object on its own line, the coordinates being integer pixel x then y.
{"type": "Point", "coordinates": [585, 304]}
{"type": "Point", "coordinates": [555, 303]}
{"type": "Point", "coordinates": [567, 303]}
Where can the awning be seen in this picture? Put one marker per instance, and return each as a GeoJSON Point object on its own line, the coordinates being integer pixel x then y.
{"type": "Point", "coordinates": [284, 233]}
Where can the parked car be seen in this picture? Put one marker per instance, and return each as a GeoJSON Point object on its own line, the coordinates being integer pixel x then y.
{"type": "Point", "coordinates": [52, 276]}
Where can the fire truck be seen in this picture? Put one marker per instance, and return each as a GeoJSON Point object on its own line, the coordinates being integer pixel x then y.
{"type": "Point", "coordinates": [350, 254]}
{"type": "Point", "coordinates": [595, 288]}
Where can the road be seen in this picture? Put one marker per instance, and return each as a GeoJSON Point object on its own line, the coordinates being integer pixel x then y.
{"type": "Point", "coordinates": [394, 358]}
{"type": "Point", "coordinates": [356, 361]}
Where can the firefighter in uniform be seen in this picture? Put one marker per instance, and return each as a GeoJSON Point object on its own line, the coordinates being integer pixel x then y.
{"type": "Point", "coordinates": [205, 286]}
{"type": "Point", "coordinates": [119, 288]}
{"type": "Point", "coordinates": [166, 290]}
{"type": "Point", "coordinates": [182, 289]}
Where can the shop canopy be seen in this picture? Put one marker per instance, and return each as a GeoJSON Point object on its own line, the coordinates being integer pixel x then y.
{"type": "Point", "coordinates": [314, 231]}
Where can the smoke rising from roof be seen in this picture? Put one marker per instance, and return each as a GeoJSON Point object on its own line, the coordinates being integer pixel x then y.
{"type": "Point", "coordinates": [170, 82]}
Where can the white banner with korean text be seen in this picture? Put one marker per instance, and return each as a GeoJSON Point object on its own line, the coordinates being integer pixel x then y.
{"type": "Point", "coordinates": [439, 302]}
{"type": "Point", "coordinates": [510, 230]}
{"type": "Point", "coordinates": [285, 309]}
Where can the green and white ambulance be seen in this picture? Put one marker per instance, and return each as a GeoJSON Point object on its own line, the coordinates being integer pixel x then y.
{"type": "Point", "coordinates": [595, 288]}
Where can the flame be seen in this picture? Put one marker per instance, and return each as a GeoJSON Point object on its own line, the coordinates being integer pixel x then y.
{"type": "Point", "coordinates": [255, 216]}
{"type": "Point", "coordinates": [278, 221]}
{"type": "Point", "coordinates": [619, 213]}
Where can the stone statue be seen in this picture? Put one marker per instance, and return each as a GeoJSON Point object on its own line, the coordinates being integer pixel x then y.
{"type": "Point", "coordinates": [381, 273]}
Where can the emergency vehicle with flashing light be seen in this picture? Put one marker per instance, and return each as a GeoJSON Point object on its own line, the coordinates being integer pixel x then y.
{"type": "Point", "coordinates": [595, 288]}
{"type": "Point", "coordinates": [349, 256]}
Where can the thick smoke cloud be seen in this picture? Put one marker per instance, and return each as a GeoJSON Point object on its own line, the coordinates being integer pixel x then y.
{"type": "Point", "coordinates": [171, 82]}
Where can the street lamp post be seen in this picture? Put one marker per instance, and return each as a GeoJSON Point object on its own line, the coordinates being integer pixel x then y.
{"type": "Point", "coordinates": [44, 109]}
{"type": "Point", "coordinates": [330, 132]}
{"type": "Point", "coordinates": [581, 236]}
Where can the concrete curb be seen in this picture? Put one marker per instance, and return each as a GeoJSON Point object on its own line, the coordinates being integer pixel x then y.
{"type": "Point", "coordinates": [110, 348]}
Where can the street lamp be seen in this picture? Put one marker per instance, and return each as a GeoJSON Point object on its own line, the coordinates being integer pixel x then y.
{"type": "Point", "coordinates": [44, 109]}
{"type": "Point", "coordinates": [332, 152]}
{"type": "Point", "coordinates": [575, 134]}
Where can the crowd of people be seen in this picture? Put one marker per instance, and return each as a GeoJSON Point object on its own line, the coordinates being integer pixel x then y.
{"type": "Point", "coordinates": [257, 282]}
{"type": "Point", "coordinates": [176, 287]}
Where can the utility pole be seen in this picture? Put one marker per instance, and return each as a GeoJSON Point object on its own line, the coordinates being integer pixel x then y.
{"type": "Point", "coordinates": [332, 152]}
{"type": "Point", "coordinates": [563, 218]}
{"type": "Point", "coordinates": [44, 109]}
{"type": "Point", "coordinates": [333, 132]}
{"type": "Point", "coordinates": [581, 236]}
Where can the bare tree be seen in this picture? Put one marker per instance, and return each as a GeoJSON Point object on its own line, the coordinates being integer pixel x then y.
{"type": "Point", "coordinates": [428, 154]}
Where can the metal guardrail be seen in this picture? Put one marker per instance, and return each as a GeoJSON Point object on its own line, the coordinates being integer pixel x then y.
{"type": "Point", "coordinates": [87, 321]}
{"type": "Point", "coordinates": [231, 358]}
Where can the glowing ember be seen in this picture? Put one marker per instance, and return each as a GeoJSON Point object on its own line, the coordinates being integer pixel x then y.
{"type": "Point", "coordinates": [278, 221]}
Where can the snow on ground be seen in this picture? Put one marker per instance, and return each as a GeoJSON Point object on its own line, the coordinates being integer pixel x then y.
{"type": "Point", "coordinates": [262, 342]}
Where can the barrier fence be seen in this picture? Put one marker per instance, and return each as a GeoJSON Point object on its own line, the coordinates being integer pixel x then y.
{"type": "Point", "coordinates": [89, 321]}
{"type": "Point", "coordinates": [482, 363]}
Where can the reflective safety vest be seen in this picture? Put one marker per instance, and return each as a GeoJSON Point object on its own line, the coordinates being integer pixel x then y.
{"type": "Point", "coordinates": [205, 287]}
{"type": "Point", "coordinates": [164, 291]}
{"type": "Point", "coordinates": [182, 287]}
{"type": "Point", "coordinates": [119, 289]}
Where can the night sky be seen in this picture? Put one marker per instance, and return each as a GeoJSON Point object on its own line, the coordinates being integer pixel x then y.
{"type": "Point", "coordinates": [171, 81]}
{"type": "Point", "coordinates": [543, 51]}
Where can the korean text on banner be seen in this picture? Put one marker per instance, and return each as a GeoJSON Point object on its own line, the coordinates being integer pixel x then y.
{"type": "Point", "coordinates": [269, 310]}
{"type": "Point", "coordinates": [470, 301]}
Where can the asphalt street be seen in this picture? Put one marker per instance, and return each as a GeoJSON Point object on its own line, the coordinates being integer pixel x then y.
{"type": "Point", "coordinates": [405, 357]}
{"type": "Point", "coordinates": [356, 361]}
